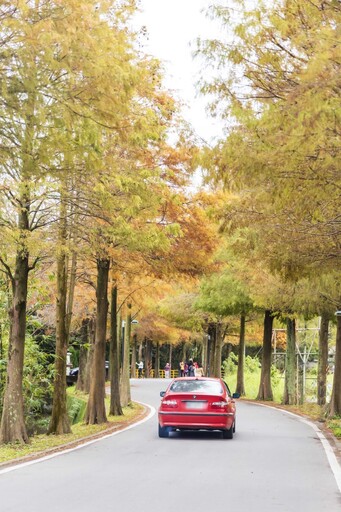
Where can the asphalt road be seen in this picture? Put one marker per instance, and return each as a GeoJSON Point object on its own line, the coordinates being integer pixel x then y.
{"type": "Point", "coordinates": [274, 463]}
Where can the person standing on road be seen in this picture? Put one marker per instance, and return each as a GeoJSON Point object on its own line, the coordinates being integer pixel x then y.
{"type": "Point", "coordinates": [190, 368]}
{"type": "Point", "coordinates": [186, 369]}
{"type": "Point", "coordinates": [182, 368]}
{"type": "Point", "coordinates": [140, 367]}
{"type": "Point", "coordinates": [167, 370]}
{"type": "Point", "coordinates": [199, 371]}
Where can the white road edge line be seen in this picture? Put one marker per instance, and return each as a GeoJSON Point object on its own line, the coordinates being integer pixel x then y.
{"type": "Point", "coordinates": [87, 443]}
{"type": "Point", "coordinates": [333, 462]}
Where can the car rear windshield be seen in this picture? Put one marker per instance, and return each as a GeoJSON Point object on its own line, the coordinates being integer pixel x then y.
{"type": "Point", "coordinates": [197, 386]}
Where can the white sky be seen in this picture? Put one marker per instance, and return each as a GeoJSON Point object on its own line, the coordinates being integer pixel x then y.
{"type": "Point", "coordinates": [173, 26]}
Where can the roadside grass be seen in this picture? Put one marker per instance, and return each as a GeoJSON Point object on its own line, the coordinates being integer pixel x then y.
{"type": "Point", "coordinates": [310, 408]}
{"type": "Point", "coordinates": [44, 442]}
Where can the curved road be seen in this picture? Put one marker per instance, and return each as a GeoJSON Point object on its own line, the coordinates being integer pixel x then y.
{"type": "Point", "coordinates": [274, 463]}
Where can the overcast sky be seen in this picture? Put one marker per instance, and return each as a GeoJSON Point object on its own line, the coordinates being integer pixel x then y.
{"type": "Point", "coordinates": [173, 26]}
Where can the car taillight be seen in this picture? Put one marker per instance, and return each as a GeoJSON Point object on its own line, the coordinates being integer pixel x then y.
{"type": "Point", "coordinates": [219, 405]}
{"type": "Point", "coordinates": [170, 403]}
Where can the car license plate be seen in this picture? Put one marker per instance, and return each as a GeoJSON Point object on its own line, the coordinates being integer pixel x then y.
{"type": "Point", "coordinates": [195, 405]}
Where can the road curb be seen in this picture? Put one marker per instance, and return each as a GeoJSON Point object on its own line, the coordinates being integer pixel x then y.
{"type": "Point", "coordinates": [330, 444]}
{"type": "Point", "coordinates": [77, 443]}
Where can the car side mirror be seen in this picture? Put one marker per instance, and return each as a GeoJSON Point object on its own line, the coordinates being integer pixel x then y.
{"type": "Point", "coordinates": [162, 393]}
{"type": "Point", "coordinates": [236, 395]}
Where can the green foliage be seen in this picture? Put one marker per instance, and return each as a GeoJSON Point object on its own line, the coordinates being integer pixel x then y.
{"type": "Point", "coordinates": [252, 364]}
{"type": "Point", "coordinates": [335, 426]}
{"type": "Point", "coordinates": [279, 80]}
{"type": "Point", "coordinates": [180, 310]}
{"type": "Point", "coordinates": [37, 385]}
{"type": "Point", "coordinates": [252, 373]}
{"type": "Point", "coordinates": [223, 294]}
{"type": "Point", "coordinates": [76, 409]}
{"type": "Point", "coordinates": [37, 380]}
{"type": "Point", "coordinates": [230, 364]}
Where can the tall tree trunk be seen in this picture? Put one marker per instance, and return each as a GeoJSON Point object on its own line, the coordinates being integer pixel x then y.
{"type": "Point", "coordinates": [240, 388]}
{"type": "Point", "coordinates": [13, 429]}
{"type": "Point", "coordinates": [211, 351]}
{"type": "Point", "coordinates": [60, 423]}
{"type": "Point", "coordinates": [83, 354]}
{"type": "Point", "coordinates": [148, 357]}
{"type": "Point", "coordinates": [1, 370]}
{"type": "Point", "coordinates": [157, 360]}
{"type": "Point", "coordinates": [290, 397]}
{"type": "Point", "coordinates": [120, 344]}
{"type": "Point", "coordinates": [204, 353]}
{"type": "Point", "coordinates": [218, 349]}
{"type": "Point", "coordinates": [170, 357]}
{"type": "Point", "coordinates": [323, 360]}
{"type": "Point", "coordinates": [95, 411]}
{"type": "Point", "coordinates": [335, 402]}
{"type": "Point", "coordinates": [90, 356]}
{"type": "Point", "coordinates": [140, 351]}
{"type": "Point", "coordinates": [184, 352]}
{"type": "Point", "coordinates": [115, 396]}
{"type": "Point", "coordinates": [71, 294]}
{"type": "Point", "coordinates": [133, 357]}
{"type": "Point", "coordinates": [265, 388]}
{"type": "Point", "coordinates": [125, 383]}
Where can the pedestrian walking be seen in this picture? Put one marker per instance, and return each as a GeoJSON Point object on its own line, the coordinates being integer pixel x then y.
{"type": "Point", "coordinates": [167, 371]}
{"type": "Point", "coordinates": [190, 368]}
{"type": "Point", "coordinates": [140, 367]}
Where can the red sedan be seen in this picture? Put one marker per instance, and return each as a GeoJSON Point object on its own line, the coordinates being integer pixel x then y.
{"type": "Point", "coordinates": [197, 403]}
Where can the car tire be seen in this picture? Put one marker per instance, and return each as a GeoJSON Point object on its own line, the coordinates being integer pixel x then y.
{"type": "Point", "coordinates": [228, 434]}
{"type": "Point", "coordinates": [164, 431]}
{"type": "Point", "coordinates": [234, 426]}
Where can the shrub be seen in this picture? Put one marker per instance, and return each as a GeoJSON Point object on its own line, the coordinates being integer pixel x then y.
{"type": "Point", "coordinates": [252, 373]}
{"type": "Point", "coordinates": [76, 409]}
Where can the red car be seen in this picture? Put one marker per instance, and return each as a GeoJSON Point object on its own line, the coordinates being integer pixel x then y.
{"type": "Point", "coordinates": [197, 403]}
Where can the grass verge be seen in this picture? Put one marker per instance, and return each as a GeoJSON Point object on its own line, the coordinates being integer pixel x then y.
{"type": "Point", "coordinates": [43, 442]}
{"type": "Point", "coordinates": [310, 409]}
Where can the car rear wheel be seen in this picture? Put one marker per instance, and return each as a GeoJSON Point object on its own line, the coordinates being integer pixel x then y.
{"type": "Point", "coordinates": [164, 431]}
{"type": "Point", "coordinates": [228, 434]}
{"type": "Point", "coordinates": [234, 426]}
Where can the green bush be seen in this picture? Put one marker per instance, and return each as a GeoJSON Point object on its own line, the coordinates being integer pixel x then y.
{"type": "Point", "coordinates": [230, 364]}
{"type": "Point", "coordinates": [76, 409]}
{"type": "Point", "coordinates": [37, 384]}
{"type": "Point", "coordinates": [251, 365]}
{"type": "Point", "coordinates": [252, 373]}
